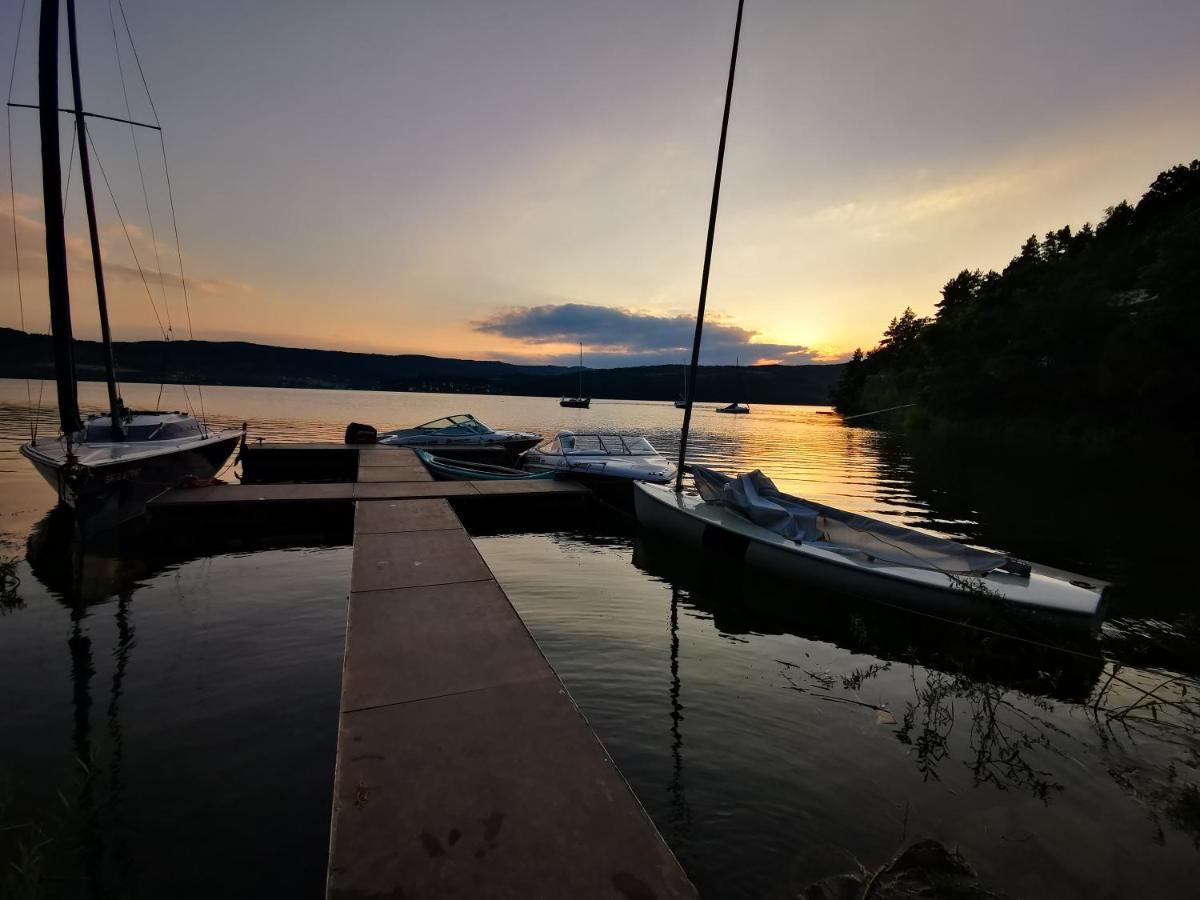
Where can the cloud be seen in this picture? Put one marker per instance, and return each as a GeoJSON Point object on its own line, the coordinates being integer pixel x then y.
{"type": "Point", "coordinates": [31, 239]}
{"type": "Point", "coordinates": [617, 336]}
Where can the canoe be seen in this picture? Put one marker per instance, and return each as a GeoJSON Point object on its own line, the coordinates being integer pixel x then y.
{"type": "Point", "coordinates": [1014, 588]}
{"type": "Point", "coordinates": [461, 470]}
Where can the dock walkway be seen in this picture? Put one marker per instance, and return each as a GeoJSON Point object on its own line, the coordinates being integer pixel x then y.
{"type": "Point", "coordinates": [464, 769]}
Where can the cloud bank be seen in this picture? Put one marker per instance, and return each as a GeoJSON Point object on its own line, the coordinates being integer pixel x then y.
{"type": "Point", "coordinates": [623, 337]}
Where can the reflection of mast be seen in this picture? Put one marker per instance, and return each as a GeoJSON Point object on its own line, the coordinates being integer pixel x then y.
{"type": "Point", "coordinates": [681, 815]}
{"type": "Point", "coordinates": [82, 670]}
{"type": "Point", "coordinates": [125, 635]}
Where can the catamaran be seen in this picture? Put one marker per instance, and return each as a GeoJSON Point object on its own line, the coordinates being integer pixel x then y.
{"type": "Point", "coordinates": [106, 467]}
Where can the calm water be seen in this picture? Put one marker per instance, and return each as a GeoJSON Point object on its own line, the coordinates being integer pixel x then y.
{"type": "Point", "coordinates": [184, 703]}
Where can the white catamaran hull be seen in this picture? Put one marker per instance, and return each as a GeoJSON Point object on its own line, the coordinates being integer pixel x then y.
{"type": "Point", "coordinates": [112, 482]}
{"type": "Point", "coordinates": [688, 518]}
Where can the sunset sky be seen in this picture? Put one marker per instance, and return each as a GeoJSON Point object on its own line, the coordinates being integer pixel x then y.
{"type": "Point", "coordinates": [496, 180]}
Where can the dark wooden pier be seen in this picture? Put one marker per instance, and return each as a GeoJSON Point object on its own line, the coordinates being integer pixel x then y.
{"type": "Point", "coordinates": [464, 768]}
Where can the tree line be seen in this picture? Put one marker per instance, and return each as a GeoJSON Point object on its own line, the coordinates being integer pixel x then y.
{"type": "Point", "coordinates": [1089, 329]}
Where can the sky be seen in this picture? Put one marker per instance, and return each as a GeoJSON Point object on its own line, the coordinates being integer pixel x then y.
{"type": "Point", "coordinates": [502, 180]}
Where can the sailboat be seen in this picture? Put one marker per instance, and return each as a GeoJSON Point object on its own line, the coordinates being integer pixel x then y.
{"type": "Point", "coordinates": [817, 545]}
{"type": "Point", "coordinates": [736, 407]}
{"type": "Point", "coordinates": [579, 401]}
{"type": "Point", "coordinates": [681, 403]}
{"type": "Point", "coordinates": [105, 467]}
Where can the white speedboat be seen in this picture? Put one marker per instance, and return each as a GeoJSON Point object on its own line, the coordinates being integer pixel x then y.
{"type": "Point", "coordinates": [461, 430]}
{"type": "Point", "coordinates": [602, 458]}
{"type": "Point", "coordinates": [830, 548]}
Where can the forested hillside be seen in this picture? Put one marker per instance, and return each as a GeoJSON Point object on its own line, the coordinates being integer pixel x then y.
{"type": "Point", "coordinates": [1095, 328]}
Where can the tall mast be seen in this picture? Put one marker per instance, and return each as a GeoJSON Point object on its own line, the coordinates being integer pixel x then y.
{"type": "Point", "coordinates": [85, 175]}
{"type": "Point", "coordinates": [56, 238]}
{"type": "Point", "coordinates": [580, 394]}
{"type": "Point", "coordinates": [712, 227]}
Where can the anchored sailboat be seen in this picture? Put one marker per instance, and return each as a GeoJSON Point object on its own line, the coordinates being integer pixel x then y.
{"type": "Point", "coordinates": [106, 467]}
{"type": "Point", "coordinates": [737, 407]}
{"type": "Point", "coordinates": [579, 401]}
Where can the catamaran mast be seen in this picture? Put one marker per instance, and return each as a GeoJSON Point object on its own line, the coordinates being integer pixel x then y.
{"type": "Point", "coordinates": [56, 238]}
{"type": "Point", "coordinates": [712, 227]}
{"type": "Point", "coordinates": [85, 174]}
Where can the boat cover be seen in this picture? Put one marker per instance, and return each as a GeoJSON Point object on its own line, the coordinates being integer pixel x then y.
{"type": "Point", "coordinates": [755, 496]}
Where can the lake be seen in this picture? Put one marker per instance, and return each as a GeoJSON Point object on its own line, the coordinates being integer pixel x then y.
{"type": "Point", "coordinates": [184, 706]}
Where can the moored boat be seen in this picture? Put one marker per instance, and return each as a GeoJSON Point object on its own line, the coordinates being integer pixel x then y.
{"type": "Point", "coordinates": [460, 430]}
{"type": "Point", "coordinates": [445, 469]}
{"type": "Point", "coordinates": [107, 467]}
{"type": "Point", "coordinates": [578, 401]}
{"type": "Point", "coordinates": [812, 543]}
{"type": "Point", "coordinates": [604, 458]}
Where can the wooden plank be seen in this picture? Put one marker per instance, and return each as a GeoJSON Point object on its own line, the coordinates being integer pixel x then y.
{"type": "Point", "coordinates": [419, 642]}
{"type": "Point", "coordinates": [255, 493]}
{"type": "Point", "coordinates": [414, 558]}
{"type": "Point", "coordinates": [368, 473]}
{"type": "Point", "coordinates": [529, 488]}
{"type": "Point", "coordinates": [406, 489]}
{"type": "Point", "coordinates": [382, 516]}
{"type": "Point", "coordinates": [497, 792]}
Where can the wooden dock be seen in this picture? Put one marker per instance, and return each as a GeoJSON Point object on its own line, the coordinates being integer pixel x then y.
{"type": "Point", "coordinates": [464, 769]}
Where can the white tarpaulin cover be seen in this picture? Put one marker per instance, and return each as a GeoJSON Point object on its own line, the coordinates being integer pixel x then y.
{"type": "Point", "coordinates": [756, 497]}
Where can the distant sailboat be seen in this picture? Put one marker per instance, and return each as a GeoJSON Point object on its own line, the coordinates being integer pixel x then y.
{"type": "Point", "coordinates": [105, 467]}
{"type": "Point", "coordinates": [579, 401]}
{"type": "Point", "coordinates": [681, 403]}
{"type": "Point", "coordinates": [737, 407]}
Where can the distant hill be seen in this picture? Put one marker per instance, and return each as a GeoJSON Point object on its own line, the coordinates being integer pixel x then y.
{"type": "Point", "coordinates": [258, 365]}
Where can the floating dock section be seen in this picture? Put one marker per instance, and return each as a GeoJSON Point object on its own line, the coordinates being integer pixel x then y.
{"type": "Point", "coordinates": [464, 769]}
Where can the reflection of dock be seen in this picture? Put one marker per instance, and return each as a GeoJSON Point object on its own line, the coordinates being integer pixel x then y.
{"type": "Point", "coordinates": [464, 769]}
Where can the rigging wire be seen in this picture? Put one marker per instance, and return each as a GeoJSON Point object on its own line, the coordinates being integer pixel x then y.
{"type": "Point", "coordinates": [170, 193]}
{"type": "Point", "coordinates": [137, 262]}
{"type": "Point", "coordinates": [145, 194]}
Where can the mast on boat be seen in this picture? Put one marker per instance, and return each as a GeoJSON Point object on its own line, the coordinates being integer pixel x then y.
{"type": "Point", "coordinates": [56, 239]}
{"type": "Point", "coordinates": [85, 174]}
{"type": "Point", "coordinates": [580, 394]}
{"type": "Point", "coordinates": [712, 226]}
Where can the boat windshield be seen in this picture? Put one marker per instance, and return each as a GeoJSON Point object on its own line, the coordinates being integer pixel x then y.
{"type": "Point", "coordinates": [550, 448]}
{"type": "Point", "coordinates": [607, 445]}
{"type": "Point", "coordinates": [461, 424]}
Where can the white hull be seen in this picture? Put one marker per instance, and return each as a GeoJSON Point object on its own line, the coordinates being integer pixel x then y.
{"type": "Point", "coordinates": [687, 518]}
{"type": "Point", "coordinates": [109, 483]}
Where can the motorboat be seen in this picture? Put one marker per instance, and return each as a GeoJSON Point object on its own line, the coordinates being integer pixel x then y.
{"type": "Point", "coordinates": [812, 543]}
{"type": "Point", "coordinates": [601, 458]}
{"type": "Point", "coordinates": [105, 467]}
{"type": "Point", "coordinates": [444, 469]}
{"type": "Point", "coordinates": [460, 430]}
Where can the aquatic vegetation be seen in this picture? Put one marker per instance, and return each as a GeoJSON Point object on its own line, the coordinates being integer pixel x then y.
{"type": "Point", "coordinates": [10, 583]}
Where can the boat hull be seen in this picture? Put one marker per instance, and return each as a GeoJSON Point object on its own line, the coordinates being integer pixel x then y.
{"type": "Point", "coordinates": [106, 495]}
{"type": "Point", "coordinates": [575, 402]}
{"type": "Point", "coordinates": [714, 527]}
